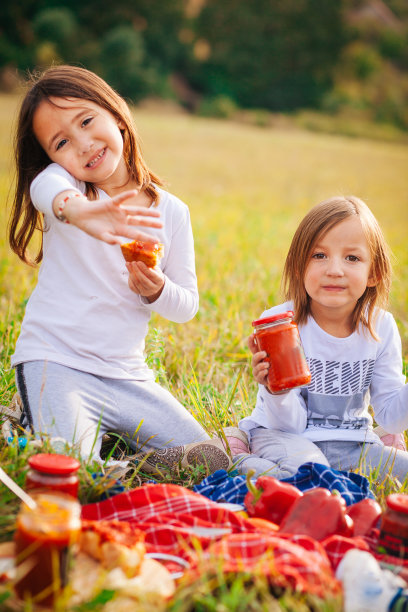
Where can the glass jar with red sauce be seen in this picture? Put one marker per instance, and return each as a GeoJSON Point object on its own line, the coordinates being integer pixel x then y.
{"type": "Point", "coordinates": [393, 537]}
{"type": "Point", "coordinates": [44, 538]}
{"type": "Point", "coordinates": [53, 472]}
{"type": "Point", "coordinates": [278, 336]}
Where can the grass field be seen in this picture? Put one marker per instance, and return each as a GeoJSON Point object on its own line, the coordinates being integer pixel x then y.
{"type": "Point", "coordinates": [247, 189]}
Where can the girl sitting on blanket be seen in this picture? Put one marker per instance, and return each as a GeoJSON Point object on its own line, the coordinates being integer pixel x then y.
{"type": "Point", "coordinates": [337, 279]}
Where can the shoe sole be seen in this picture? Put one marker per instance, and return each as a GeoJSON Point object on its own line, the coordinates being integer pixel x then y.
{"type": "Point", "coordinates": [211, 456]}
{"type": "Point", "coordinates": [166, 458]}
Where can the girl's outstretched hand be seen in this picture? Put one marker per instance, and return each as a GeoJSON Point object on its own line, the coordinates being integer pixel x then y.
{"type": "Point", "coordinates": [110, 219]}
{"type": "Point", "coordinates": [145, 281]}
{"type": "Point", "coordinates": [260, 367]}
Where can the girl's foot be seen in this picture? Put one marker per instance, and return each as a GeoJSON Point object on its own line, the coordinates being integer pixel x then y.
{"type": "Point", "coordinates": [394, 440]}
{"type": "Point", "coordinates": [237, 440]}
{"type": "Point", "coordinates": [210, 453]}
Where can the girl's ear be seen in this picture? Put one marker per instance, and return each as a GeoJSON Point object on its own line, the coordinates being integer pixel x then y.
{"type": "Point", "coordinates": [121, 125]}
{"type": "Point", "coordinates": [372, 279]}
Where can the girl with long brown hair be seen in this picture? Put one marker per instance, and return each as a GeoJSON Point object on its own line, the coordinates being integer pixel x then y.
{"type": "Point", "coordinates": [83, 184]}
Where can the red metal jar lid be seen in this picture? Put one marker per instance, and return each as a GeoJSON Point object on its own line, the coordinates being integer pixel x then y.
{"type": "Point", "coordinates": [398, 502]}
{"type": "Point", "coordinates": [282, 315]}
{"type": "Point", "coordinates": [54, 464]}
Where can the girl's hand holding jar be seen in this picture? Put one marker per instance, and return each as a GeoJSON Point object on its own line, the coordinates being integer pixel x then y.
{"type": "Point", "coordinates": [280, 363]}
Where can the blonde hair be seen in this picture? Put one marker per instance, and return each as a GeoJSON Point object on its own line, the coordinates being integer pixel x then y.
{"type": "Point", "coordinates": [318, 221]}
{"type": "Point", "coordinates": [31, 159]}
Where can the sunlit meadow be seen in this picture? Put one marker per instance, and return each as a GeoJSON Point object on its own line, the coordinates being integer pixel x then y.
{"type": "Point", "coordinates": [247, 188]}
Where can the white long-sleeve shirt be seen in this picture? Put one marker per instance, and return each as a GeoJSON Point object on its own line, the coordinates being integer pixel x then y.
{"type": "Point", "coordinates": [348, 374]}
{"type": "Point", "coordinates": [82, 313]}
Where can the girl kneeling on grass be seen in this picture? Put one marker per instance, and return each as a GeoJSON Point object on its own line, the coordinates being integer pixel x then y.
{"type": "Point", "coordinates": [79, 359]}
{"type": "Point", "coordinates": [337, 279]}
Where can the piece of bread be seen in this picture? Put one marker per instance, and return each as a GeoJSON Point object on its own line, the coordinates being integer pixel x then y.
{"type": "Point", "coordinates": [149, 591]}
{"type": "Point", "coordinates": [113, 543]}
{"type": "Point", "coordinates": [148, 252]}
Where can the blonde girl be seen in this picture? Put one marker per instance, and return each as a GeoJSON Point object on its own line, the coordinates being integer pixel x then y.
{"type": "Point", "coordinates": [337, 279]}
{"type": "Point", "coordinates": [83, 184]}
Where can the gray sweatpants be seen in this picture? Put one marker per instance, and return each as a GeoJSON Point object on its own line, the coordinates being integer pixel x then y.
{"type": "Point", "coordinates": [280, 454]}
{"type": "Point", "coordinates": [81, 407]}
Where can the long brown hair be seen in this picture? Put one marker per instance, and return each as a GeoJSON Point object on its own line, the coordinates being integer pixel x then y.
{"type": "Point", "coordinates": [318, 221]}
{"type": "Point", "coordinates": [31, 159]}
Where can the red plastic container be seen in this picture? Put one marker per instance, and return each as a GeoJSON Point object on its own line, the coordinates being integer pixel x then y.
{"type": "Point", "coordinates": [278, 336]}
{"type": "Point", "coordinates": [54, 473]}
{"type": "Point", "coordinates": [394, 527]}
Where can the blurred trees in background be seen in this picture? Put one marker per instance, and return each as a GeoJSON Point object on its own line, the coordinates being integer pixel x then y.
{"type": "Point", "coordinates": [217, 55]}
{"type": "Point", "coordinates": [276, 54]}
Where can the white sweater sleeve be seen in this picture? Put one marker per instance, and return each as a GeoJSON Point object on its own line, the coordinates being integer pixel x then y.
{"type": "Point", "coordinates": [48, 184]}
{"type": "Point", "coordinates": [285, 412]}
{"type": "Point", "coordinates": [178, 301]}
{"type": "Point", "coordinates": [389, 393]}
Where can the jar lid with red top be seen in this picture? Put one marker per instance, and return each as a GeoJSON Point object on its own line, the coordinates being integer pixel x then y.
{"type": "Point", "coordinates": [49, 463]}
{"type": "Point", "coordinates": [274, 318]}
{"type": "Point", "coordinates": [398, 502]}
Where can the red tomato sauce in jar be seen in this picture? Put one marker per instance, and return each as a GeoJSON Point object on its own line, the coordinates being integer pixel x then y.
{"type": "Point", "coordinates": [43, 539]}
{"type": "Point", "coordinates": [393, 537]}
{"type": "Point", "coordinates": [278, 336]}
{"type": "Point", "coordinates": [53, 472]}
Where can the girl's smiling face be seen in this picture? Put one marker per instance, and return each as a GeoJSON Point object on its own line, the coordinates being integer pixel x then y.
{"type": "Point", "coordinates": [339, 270]}
{"type": "Point", "coordinates": [83, 138]}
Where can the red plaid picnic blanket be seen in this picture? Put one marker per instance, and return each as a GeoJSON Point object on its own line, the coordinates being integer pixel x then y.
{"type": "Point", "coordinates": [173, 518]}
{"type": "Point", "coordinates": [179, 522]}
{"type": "Point", "coordinates": [294, 561]}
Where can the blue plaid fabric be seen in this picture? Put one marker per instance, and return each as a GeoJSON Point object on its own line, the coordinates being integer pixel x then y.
{"type": "Point", "coordinates": [222, 488]}
{"type": "Point", "coordinates": [351, 486]}
{"type": "Point", "coordinates": [108, 488]}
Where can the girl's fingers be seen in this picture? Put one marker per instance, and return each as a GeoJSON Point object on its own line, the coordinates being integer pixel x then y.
{"type": "Point", "coordinates": [145, 221]}
{"type": "Point", "coordinates": [262, 368]}
{"type": "Point", "coordinates": [149, 277]}
{"type": "Point", "coordinates": [125, 195]}
{"type": "Point", "coordinates": [126, 231]}
{"type": "Point", "coordinates": [140, 268]}
{"type": "Point", "coordinates": [260, 372]}
{"type": "Point", "coordinates": [129, 232]}
{"type": "Point", "coordinates": [252, 344]}
{"type": "Point", "coordinates": [260, 376]}
{"type": "Point", "coordinates": [139, 287]}
{"type": "Point", "coordinates": [110, 238]}
{"type": "Point", "coordinates": [259, 358]}
{"type": "Point", "coordinates": [140, 210]}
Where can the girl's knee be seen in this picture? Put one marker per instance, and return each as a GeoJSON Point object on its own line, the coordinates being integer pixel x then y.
{"type": "Point", "coordinates": [311, 453]}
{"type": "Point", "coordinates": [287, 451]}
{"type": "Point", "coordinates": [258, 466]}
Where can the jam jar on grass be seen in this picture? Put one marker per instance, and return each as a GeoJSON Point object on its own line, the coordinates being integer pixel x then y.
{"type": "Point", "coordinates": [278, 336]}
{"type": "Point", "coordinates": [393, 538]}
{"type": "Point", "coordinates": [45, 536]}
{"type": "Point", "coordinates": [54, 473]}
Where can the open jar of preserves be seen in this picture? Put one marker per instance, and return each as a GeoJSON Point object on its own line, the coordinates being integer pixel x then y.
{"type": "Point", "coordinates": [393, 537]}
{"type": "Point", "coordinates": [43, 538]}
{"type": "Point", "coordinates": [278, 336]}
{"type": "Point", "coordinates": [53, 472]}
